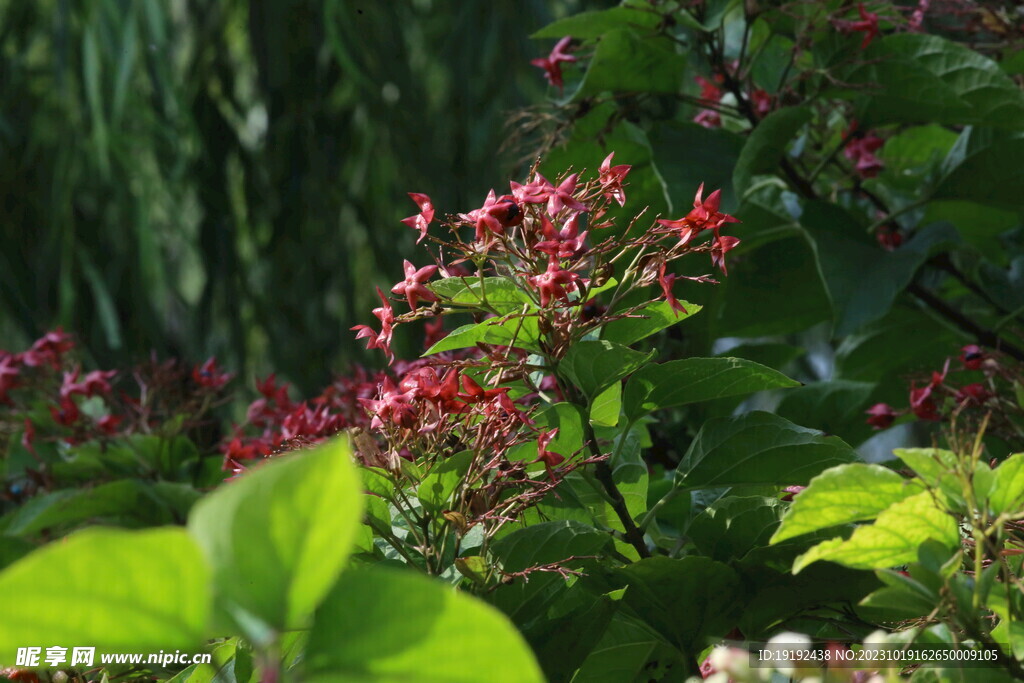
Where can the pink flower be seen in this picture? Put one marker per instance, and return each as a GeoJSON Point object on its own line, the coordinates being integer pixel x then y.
{"type": "Point", "coordinates": [495, 215]}
{"type": "Point", "coordinates": [666, 282]}
{"type": "Point", "coordinates": [96, 382]}
{"type": "Point", "coordinates": [882, 416]}
{"type": "Point", "coordinates": [561, 197]}
{"type": "Point", "coordinates": [48, 349]}
{"type": "Point", "coordinates": [973, 393]}
{"type": "Point", "coordinates": [611, 178]}
{"type": "Point", "coordinates": [972, 357]}
{"type": "Point", "coordinates": [382, 340]}
{"type": "Point", "coordinates": [413, 287]}
{"type": "Point", "coordinates": [709, 118]}
{"type": "Point", "coordinates": [424, 218]}
{"type": "Point", "coordinates": [209, 375]}
{"type": "Point", "coordinates": [721, 245]}
{"type": "Point", "coordinates": [762, 103]}
{"type": "Point", "coordinates": [868, 23]}
{"type": "Point", "coordinates": [9, 376]}
{"type": "Point", "coordinates": [922, 404]}
{"type": "Point", "coordinates": [862, 152]}
{"type": "Point", "coordinates": [393, 404]}
{"type": "Point", "coordinates": [550, 64]}
{"type": "Point", "coordinates": [549, 458]}
{"type": "Point", "coordinates": [704, 215]}
{"type": "Point", "coordinates": [552, 283]}
{"type": "Point", "coordinates": [566, 243]}
{"type": "Point", "coordinates": [536, 191]}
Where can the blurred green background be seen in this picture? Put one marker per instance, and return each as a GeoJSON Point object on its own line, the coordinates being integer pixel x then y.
{"type": "Point", "coordinates": [197, 177]}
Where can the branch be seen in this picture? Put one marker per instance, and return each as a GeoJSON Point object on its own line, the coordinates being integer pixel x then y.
{"type": "Point", "coordinates": [985, 336]}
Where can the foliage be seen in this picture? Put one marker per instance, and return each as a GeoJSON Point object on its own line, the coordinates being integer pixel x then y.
{"type": "Point", "coordinates": [606, 464]}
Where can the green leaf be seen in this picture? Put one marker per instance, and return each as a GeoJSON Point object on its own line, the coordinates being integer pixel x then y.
{"type": "Point", "coordinates": [735, 525]}
{"type": "Point", "coordinates": [630, 650]}
{"type": "Point", "coordinates": [692, 380]}
{"type": "Point", "coordinates": [767, 144]}
{"type": "Point", "coordinates": [652, 318]}
{"type": "Point", "coordinates": [835, 407]}
{"type": "Point", "coordinates": [984, 167]}
{"type": "Point", "coordinates": [863, 280]}
{"type": "Point", "coordinates": [675, 145]}
{"type": "Point", "coordinates": [629, 472]}
{"type": "Point", "coordinates": [278, 536]}
{"type": "Point", "coordinates": [392, 625]}
{"type": "Point", "coordinates": [588, 25]}
{"type": "Point", "coordinates": [627, 62]}
{"type": "Point", "coordinates": [844, 494]}
{"type": "Point", "coordinates": [158, 599]}
{"type": "Point", "coordinates": [548, 542]}
{"type": "Point", "coordinates": [758, 448]}
{"type": "Point", "coordinates": [126, 498]}
{"type": "Point", "coordinates": [501, 293]}
{"type": "Point", "coordinates": [511, 330]}
{"type": "Point", "coordinates": [686, 600]}
{"type": "Point", "coordinates": [436, 489]}
{"type": "Point", "coordinates": [932, 465]}
{"type": "Point", "coordinates": [606, 406]}
{"type": "Point", "coordinates": [917, 78]}
{"type": "Point", "coordinates": [903, 342]}
{"type": "Point", "coordinates": [593, 366]}
{"type": "Point", "coordinates": [893, 538]}
{"type": "Point", "coordinates": [1008, 488]}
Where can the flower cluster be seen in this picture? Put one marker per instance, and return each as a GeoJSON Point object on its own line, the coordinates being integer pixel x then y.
{"type": "Point", "coordinates": [867, 23]}
{"type": "Point", "coordinates": [986, 383]}
{"type": "Point", "coordinates": [711, 93]}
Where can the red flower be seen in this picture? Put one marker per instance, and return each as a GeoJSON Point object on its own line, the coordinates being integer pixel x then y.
{"type": "Point", "coordinates": [566, 243]}
{"type": "Point", "coordinates": [9, 372]}
{"type": "Point", "coordinates": [666, 282]}
{"type": "Point", "coordinates": [433, 332]}
{"type": "Point", "coordinates": [882, 416]}
{"type": "Point", "coordinates": [412, 288]}
{"type": "Point", "coordinates": [108, 424]}
{"type": "Point", "coordinates": [382, 340]}
{"type": "Point", "coordinates": [495, 215]}
{"type": "Point", "coordinates": [549, 458]}
{"type": "Point", "coordinates": [704, 215]}
{"type": "Point", "coordinates": [889, 239]}
{"type": "Point", "coordinates": [28, 436]}
{"type": "Point", "coordinates": [762, 103]}
{"type": "Point", "coordinates": [862, 153]}
{"type": "Point", "coordinates": [561, 197]}
{"type": "Point", "coordinates": [393, 404]}
{"type": "Point", "coordinates": [868, 23]}
{"type": "Point", "coordinates": [922, 404]}
{"type": "Point", "coordinates": [536, 191]}
{"type": "Point", "coordinates": [971, 356]}
{"type": "Point", "coordinates": [48, 349]}
{"type": "Point", "coordinates": [709, 118]}
{"type": "Point", "coordinates": [66, 413]}
{"type": "Point", "coordinates": [96, 382]}
{"type": "Point", "coordinates": [791, 492]}
{"type": "Point", "coordinates": [611, 178]}
{"type": "Point", "coordinates": [550, 64]}
{"type": "Point", "coordinates": [424, 218]}
{"type": "Point", "coordinates": [974, 393]}
{"type": "Point", "coordinates": [552, 283]}
{"type": "Point", "coordinates": [708, 90]}
{"type": "Point", "coordinates": [209, 375]}
{"type": "Point", "coordinates": [721, 245]}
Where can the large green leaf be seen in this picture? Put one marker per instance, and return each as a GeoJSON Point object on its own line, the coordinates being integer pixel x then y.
{"type": "Point", "coordinates": [863, 280]}
{"type": "Point", "coordinates": [499, 292]}
{"type": "Point", "coordinates": [630, 651]}
{"type": "Point", "coordinates": [380, 624]}
{"type": "Point", "coordinates": [510, 330]}
{"type": "Point", "coordinates": [893, 539]}
{"type": "Point", "coordinates": [758, 448]}
{"type": "Point", "coordinates": [692, 380]}
{"type": "Point", "coordinates": [732, 526]}
{"type": "Point", "coordinates": [127, 498]}
{"type": "Point", "coordinates": [676, 145]}
{"type": "Point", "coordinates": [588, 25]}
{"type": "Point", "coordinates": [835, 407]}
{"type": "Point", "coordinates": [984, 166]}
{"type": "Point", "coordinates": [652, 318]}
{"type": "Point", "coordinates": [916, 78]}
{"type": "Point", "coordinates": [278, 536]}
{"type": "Point", "coordinates": [111, 589]}
{"type": "Point", "coordinates": [686, 600]}
{"type": "Point", "coordinates": [766, 145]}
{"type": "Point", "coordinates": [594, 365]}
{"type": "Point", "coordinates": [844, 494]}
{"type": "Point", "coordinates": [436, 489]}
{"type": "Point", "coordinates": [548, 542]}
{"type": "Point", "coordinates": [624, 61]}
{"type": "Point", "coordinates": [1008, 489]}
